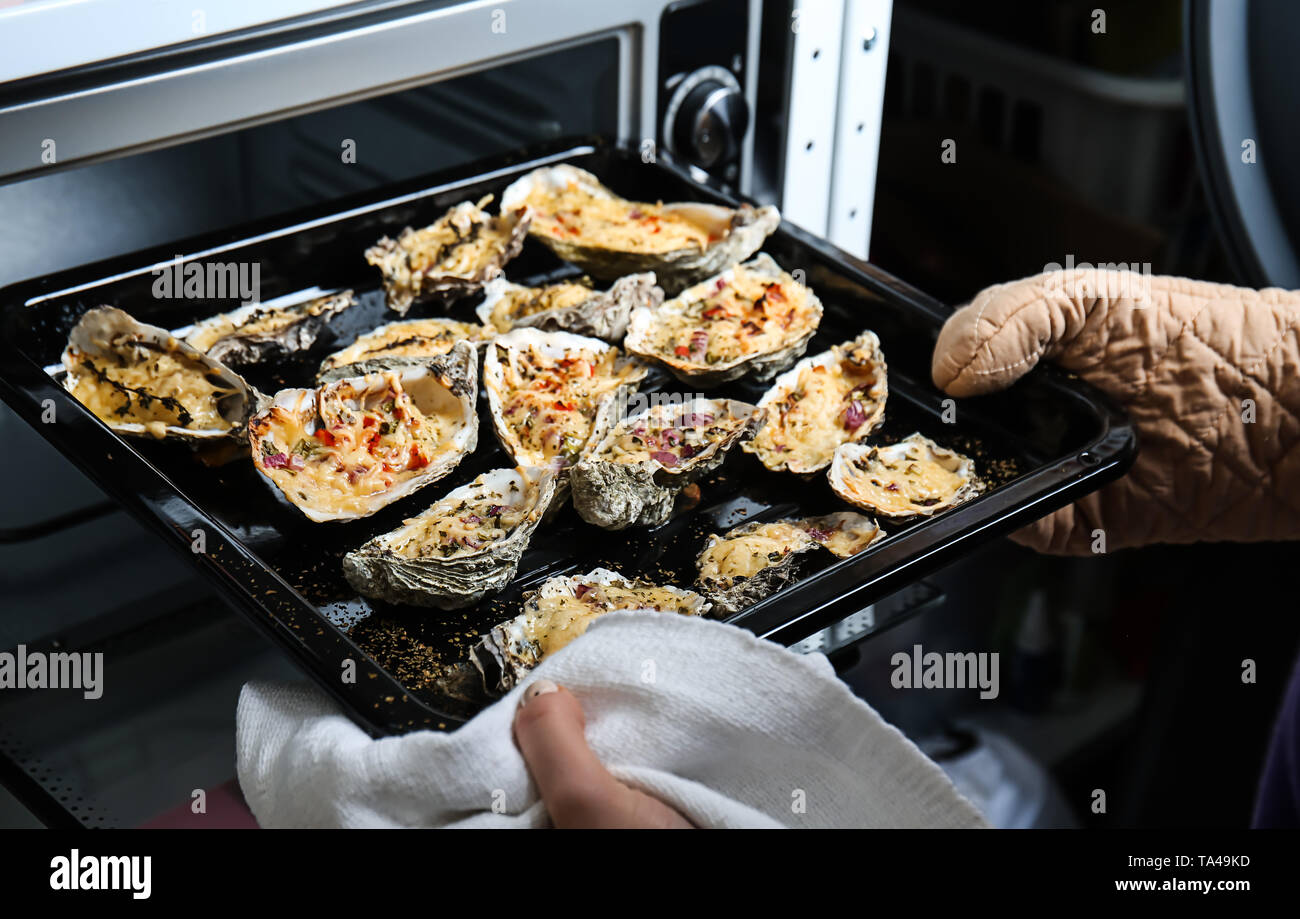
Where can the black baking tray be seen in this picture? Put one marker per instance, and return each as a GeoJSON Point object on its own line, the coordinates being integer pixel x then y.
{"type": "Point", "coordinates": [1041, 444]}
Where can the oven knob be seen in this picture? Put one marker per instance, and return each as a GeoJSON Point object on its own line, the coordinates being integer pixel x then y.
{"type": "Point", "coordinates": [710, 122]}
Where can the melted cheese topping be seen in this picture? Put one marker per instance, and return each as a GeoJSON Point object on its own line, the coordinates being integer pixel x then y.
{"type": "Point", "coordinates": [550, 623]}
{"type": "Point", "coordinates": [360, 444]}
{"type": "Point", "coordinates": [454, 528]}
{"type": "Point", "coordinates": [844, 534]}
{"type": "Point", "coordinates": [828, 405]}
{"type": "Point", "coordinates": [668, 435]}
{"type": "Point", "coordinates": [550, 403]}
{"type": "Point", "coordinates": [901, 486]}
{"type": "Point", "coordinates": [464, 243]}
{"type": "Point", "coordinates": [732, 558]}
{"type": "Point", "coordinates": [529, 301]}
{"type": "Point", "coordinates": [740, 315]}
{"type": "Point", "coordinates": [158, 389]}
{"type": "Point", "coordinates": [416, 338]}
{"type": "Point", "coordinates": [575, 216]}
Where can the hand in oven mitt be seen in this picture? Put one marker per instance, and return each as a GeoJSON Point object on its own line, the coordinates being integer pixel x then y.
{"type": "Point", "coordinates": [1208, 373]}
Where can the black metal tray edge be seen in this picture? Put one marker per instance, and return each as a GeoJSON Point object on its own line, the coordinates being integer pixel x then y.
{"type": "Point", "coordinates": [837, 592]}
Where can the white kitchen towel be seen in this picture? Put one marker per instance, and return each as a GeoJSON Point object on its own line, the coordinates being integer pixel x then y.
{"type": "Point", "coordinates": [730, 730]}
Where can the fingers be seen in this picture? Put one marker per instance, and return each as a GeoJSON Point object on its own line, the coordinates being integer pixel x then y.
{"type": "Point", "coordinates": [579, 792]}
{"type": "Point", "coordinates": [1006, 330]}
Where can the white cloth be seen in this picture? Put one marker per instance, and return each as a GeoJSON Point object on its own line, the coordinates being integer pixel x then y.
{"type": "Point", "coordinates": [730, 730]}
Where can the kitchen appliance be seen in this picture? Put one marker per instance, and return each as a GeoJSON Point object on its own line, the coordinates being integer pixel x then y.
{"type": "Point", "coordinates": [185, 133]}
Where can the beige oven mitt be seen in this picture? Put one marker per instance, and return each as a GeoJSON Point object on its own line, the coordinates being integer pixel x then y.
{"type": "Point", "coordinates": [1208, 373]}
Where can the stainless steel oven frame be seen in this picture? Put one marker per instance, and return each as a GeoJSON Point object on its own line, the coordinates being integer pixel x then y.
{"type": "Point", "coordinates": [211, 85]}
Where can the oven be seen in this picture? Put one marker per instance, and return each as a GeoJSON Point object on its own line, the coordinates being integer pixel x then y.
{"type": "Point", "coordinates": [283, 130]}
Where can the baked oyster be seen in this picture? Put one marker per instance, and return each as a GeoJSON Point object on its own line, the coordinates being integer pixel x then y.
{"type": "Point", "coordinates": [464, 547]}
{"type": "Point", "coordinates": [914, 476]}
{"type": "Point", "coordinates": [561, 610]}
{"type": "Point", "coordinates": [262, 332]}
{"type": "Point", "coordinates": [409, 338]}
{"type": "Point", "coordinates": [141, 380]}
{"type": "Point", "coordinates": [751, 319]}
{"type": "Point", "coordinates": [452, 257]}
{"type": "Point", "coordinates": [585, 223]}
{"type": "Point", "coordinates": [349, 448]}
{"type": "Point", "coordinates": [843, 533]}
{"type": "Point", "coordinates": [551, 395]}
{"type": "Point", "coordinates": [823, 401]}
{"type": "Point", "coordinates": [633, 475]}
{"type": "Point", "coordinates": [751, 561]}
{"type": "Point", "coordinates": [569, 306]}
{"type": "Point", "coordinates": [754, 560]}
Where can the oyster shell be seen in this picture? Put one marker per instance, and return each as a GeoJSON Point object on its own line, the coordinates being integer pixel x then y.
{"type": "Point", "coordinates": [834, 397]}
{"type": "Point", "coordinates": [633, 475]}
{"type": "Point", "coordinates": [843, 533]}
{"type": "Point", "coordinates": [914, 476]}
{"type": "Point", "coordinates": [561, 610]}
{"type": "Point", "coordinates": [452, 257]}
{"type": "Point", "coordinates": [750, 319]}
{"type": "Point", "coordinates": [260, 332]}
{"type": "Point", "coordinates": [569, 306]}
{"type": "Point", "coordinates": [552, 395]}
{"type": "Point", "coordinates": [751, 561]}
{"type": "Point", "coordinates": [754, 560]}
{"type": "Point", "coordinates": [409, 338]}
{"type": "Point", "coordinates": [141, 380]}
{"type": "Point", "coordinates": [349, 448]}
{"type": "Point", "coordinates": [585, 223]}
{"type": "Point", "coordinates": [464, 547]}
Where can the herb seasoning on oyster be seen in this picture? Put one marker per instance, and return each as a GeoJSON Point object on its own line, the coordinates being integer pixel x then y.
{"type": "Point", "coordinates": [836, 397]}
{"type": "Point", "coordinates": [751, 319]}
{"type": "Point", "coordinates": [410, 338]}
{"type": "Point", "coordinates": [261, 332]}
{"type": "Point", "coordinates": [548, 392]}
{"type": "Point", "coordinates": [634, 474]}
{"type": "Point", "coordinates": [452, 257]}
{"type": "Point", "coordinates": [585, 223]}
{"type": "Point", "coordinates": [561, 610]}
{"type": "Point", "coordinates": [464, 547]}
{"type": "Point", "coordinates": [915, 476]}
{"type": "Point", "coordinates": [139, 379]}
{"type": "Point", "coordinates": [570, 306]}
{"type": "Point", "coordinates": [349, 448]}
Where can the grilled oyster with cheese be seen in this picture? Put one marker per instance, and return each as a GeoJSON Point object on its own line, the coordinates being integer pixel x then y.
{"type": "Point", "coordinates": [632, 477]}
{"type": "Point", "coordinates": [261, 332]}
{"type": "Point", "coordinates": [452, 257]}
{"type": "Point", "coordinates": [349, 448]}
{"type": "Point", "coordinates": [561, 610]}
{"type": "Point", "coordinates": [462, 548]}
{"type": "Point", "coordinates": [843, 533]}
{"type": "Point", "coordinates": [409, 338]}
{"type": "Point", "coordinates": [585, 223]}
{"type": "Point", "coordinates": [757, 559]}
{"type": "Point", "coordinates": [750, 562]}
{"type": "Point", "coordinates": [915, 476]}
{"type": "Point", "coordinates": [826, 400]}
{"type": "Point", "coordinates": [141, 380]}
{"type": "Point", "coordinates": [551, 395]}
{"type": "Point", "coordinates": [569, 306]}
{"type": "Point", "coordinates": [752, 319]}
